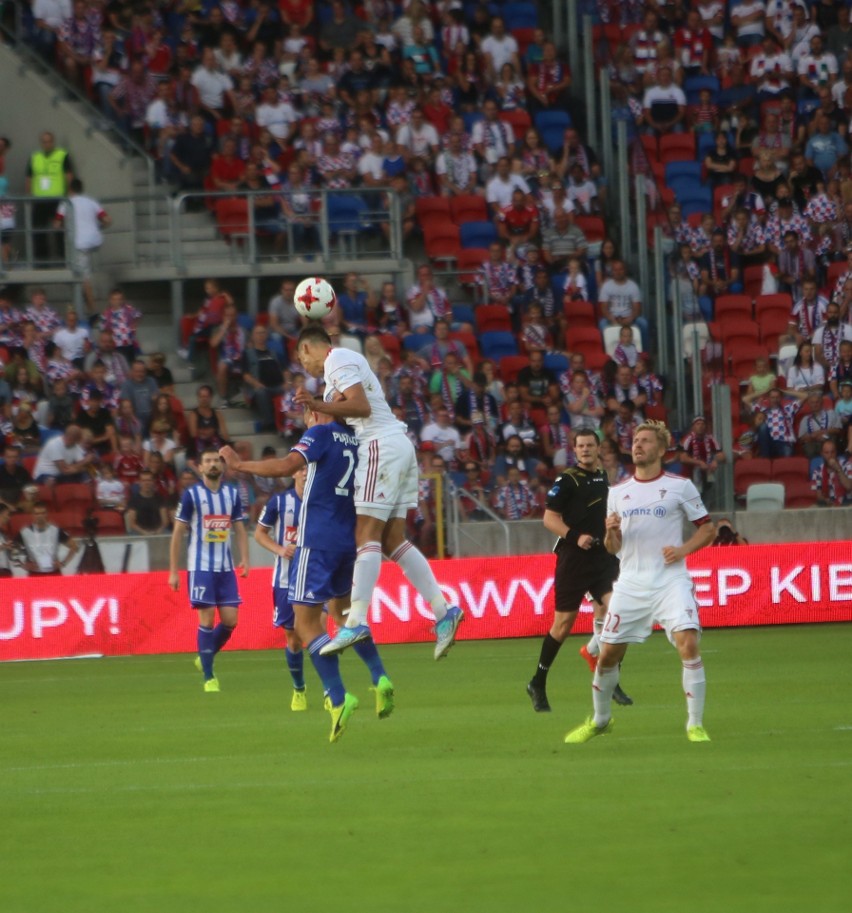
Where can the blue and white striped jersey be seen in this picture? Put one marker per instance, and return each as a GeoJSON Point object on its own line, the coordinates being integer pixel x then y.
{"type": "Point", "coordinates": [210, 516]}
{"type": "Point", "coordinates": [281, 515]}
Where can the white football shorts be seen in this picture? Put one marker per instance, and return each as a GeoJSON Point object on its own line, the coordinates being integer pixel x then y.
{"type": "Point", "coordinates": [633, 612]}
{"type": "Point", "coordinates": [386, 480]}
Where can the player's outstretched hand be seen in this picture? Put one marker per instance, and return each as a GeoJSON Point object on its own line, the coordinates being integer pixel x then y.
{"type": "Point", "coordinates": [174, 580]}
{"type": "Point", "coordinates": [230, 456]}
{"type": "Point", "coordinates": [244, 569]}
{"type": "Point", "coordinates": [672, 554]}
{"type": "Point", "coordinates": [303, 398]}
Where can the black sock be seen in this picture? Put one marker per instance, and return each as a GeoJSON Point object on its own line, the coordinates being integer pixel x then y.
{"type": "Point", "coordinates": [549, 649]}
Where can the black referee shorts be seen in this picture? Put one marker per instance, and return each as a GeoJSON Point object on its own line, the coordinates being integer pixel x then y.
{"type": "Point", "coordinates": [579, 571]}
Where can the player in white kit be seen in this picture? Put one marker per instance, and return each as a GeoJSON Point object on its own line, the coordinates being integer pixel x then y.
{"type": "Point", "coordinates": [385, 485]}
{"type": "Point", "coordinates": [644, 527]}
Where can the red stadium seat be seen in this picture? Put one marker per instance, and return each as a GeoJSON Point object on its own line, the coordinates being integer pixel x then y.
{"type": "Point", "coordinates": [70, 495]}
{"type": "Point", "coordinates": [799, 493]}
{"type": "Point", "coordinates": [469, 207]}
{"type": "Point", "coordinates": [427, 207]}
{"type": "Point", "coordinates": [581, 335]}
{"type": "Point", "coordinates": [469, 264]}
{"type": "Point", "coordinates": [747, 472]}
{"type": "Point", "coordinates": [110, 522]}
{"type": "Point", "coordinates": [510, 367]}
{"type": "Point", "coordinates": [469, 341]}
{"type": "Point", "coordinates": [593, 228]}
{"type": "Point", "coordinates": [739, 305]}
{"type": "Point", "coordinates": [493, 317]}
{"type": "Point", "coordinates": [790, 469]}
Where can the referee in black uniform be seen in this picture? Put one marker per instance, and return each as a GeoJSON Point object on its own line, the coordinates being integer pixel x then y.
{"type": "Point", "coordinates": [576, 512]}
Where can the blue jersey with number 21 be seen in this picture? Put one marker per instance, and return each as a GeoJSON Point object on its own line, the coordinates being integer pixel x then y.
{"type": "Point", "coordinates": [327, 519]}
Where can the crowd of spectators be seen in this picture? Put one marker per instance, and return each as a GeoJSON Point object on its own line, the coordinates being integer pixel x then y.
{"type": "Point", "coordinates": [440, 100]}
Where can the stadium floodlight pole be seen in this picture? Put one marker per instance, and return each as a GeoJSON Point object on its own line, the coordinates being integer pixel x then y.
{"type": "Point", "coordinates": [177, 247]}
{"type": "Point", "coordinates": [697, 371]}
{"type": "Point", "coordinates": [720, 400]}
{"type": "Point", "coordinates": [572, 23]}
{"type": "Point", "coordinates": [623, 183]}
{"type": "Point", "coordinates": [641, 233]}
{"type": "Point", "coordinates": [588, 55]}
{"type": "Point", "coordinates": [679, 366]}
{"type": "Point", "coordinates": [606, 123]}
{"type": "Point", "coordinates": [660, 301]}
{"type": "Point", "coordinates": [177, 307]}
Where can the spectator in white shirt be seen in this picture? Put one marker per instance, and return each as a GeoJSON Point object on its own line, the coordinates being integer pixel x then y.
{"type": "Point", "coordinates": [73, 339]}
{"type": "Point", "coordinates": [418, 138]}
{"type": "Point", "coordinates": [664, 103]}
{"type": "Point", "coordinates": [621, 301]}
{"type": "Point", "coordinates": [214, 87]}
{"type": "Point", "coordinates": [748, 18]}
{"type": "Point", "coordinates": [499, 48]}
{"type": "Point", "coordinates": [816, 68]}
{"type": "Point", "coordinates": [49, 16]}
{"type": "Point", "coordinates": [491, 137]}
{"type": "Point", "coordinates": [499, 190]}
{"type": "Point", "coordinates": [88, 218]}
{"type": "Point", "coordinates": [277, 115]}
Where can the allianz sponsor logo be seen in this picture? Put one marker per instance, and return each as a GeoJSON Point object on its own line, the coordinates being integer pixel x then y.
{"type": "Point", "coordinates": [658, 512]}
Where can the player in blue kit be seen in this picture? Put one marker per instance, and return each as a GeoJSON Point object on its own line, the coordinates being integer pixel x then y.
{"type": "Point", "coordinates": [321, 567]}
{"type": "Point", "coordinates": [276, 532]}
{"type": "Point", "coordinates": [210, 509]}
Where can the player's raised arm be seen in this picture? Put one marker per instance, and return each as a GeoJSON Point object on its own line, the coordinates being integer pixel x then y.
{"type": "Point", "coordinates": [350, 403]}
{"type": "Point", "coordinates": [266, 469]}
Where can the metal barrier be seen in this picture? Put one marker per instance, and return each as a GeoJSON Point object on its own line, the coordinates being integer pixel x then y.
{"type": "Point", "coordinates": [349, 224]}
{"type": "Point", "coordinates": [158, 231]}
{"type": "Point", "coordinates": [459, 529]}
{"type": "Point", "coordinates": [35, 242]}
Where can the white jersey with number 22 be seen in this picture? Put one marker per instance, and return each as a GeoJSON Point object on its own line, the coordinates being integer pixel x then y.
{"type": "Point", "coordinates": [345, 368]}
{"type": "Point", "coordinates": [652, 516]}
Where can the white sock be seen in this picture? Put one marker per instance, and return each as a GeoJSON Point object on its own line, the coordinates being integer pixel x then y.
{"type": "Point", "coordinates": [594, 644]}
{"type": "Point", "coordinates": [695, 689]}
{"type": "Point", "coordinates": [603, 684]}
{"type": "Point", "coordinates": [416, 568]}
{"type": "Point", "coordinates": [368, 564]}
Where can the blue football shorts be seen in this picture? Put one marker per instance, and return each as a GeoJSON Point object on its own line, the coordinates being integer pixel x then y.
{"type": "Point", "coordinates": [213, 588]}
{"type": "Point", "coordinates": [317, 575]}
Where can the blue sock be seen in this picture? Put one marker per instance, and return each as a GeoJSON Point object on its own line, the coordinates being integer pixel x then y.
{"type": "Point", "coordinates": [206, 650]}
{"type": "Point", "coordinates": [296, 665]}
{"type": "Point", "coordinates": [366, 649]}
{"type": "Point", "coordinates": [328, 669]}
{"type": "Point", "coordinates": [221, 635]}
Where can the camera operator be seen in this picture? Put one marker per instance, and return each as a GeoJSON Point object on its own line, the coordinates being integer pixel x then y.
{"type": "Point", "coordinates": [727, 535]}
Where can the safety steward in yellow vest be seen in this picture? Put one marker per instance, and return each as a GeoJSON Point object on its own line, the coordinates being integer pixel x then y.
{"type": "Point", "coordinates": [49, 172]}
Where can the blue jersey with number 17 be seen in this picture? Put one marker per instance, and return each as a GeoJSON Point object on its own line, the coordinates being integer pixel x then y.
{"type": "Point", "coordinates": [327, 519]}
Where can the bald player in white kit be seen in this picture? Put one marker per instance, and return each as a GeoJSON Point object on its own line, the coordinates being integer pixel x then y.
{"type": "Point", "coordinates": [644, 527]}
{"type": "Point", "coordinates": [386, 480]}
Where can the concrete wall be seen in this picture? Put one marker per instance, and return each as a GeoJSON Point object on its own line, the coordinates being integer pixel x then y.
{"type": "Point", "coordinates": [528, 537]}
{"type": "Point", "coordinates": [32, 104]}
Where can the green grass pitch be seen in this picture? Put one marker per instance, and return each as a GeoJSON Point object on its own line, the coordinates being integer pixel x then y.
{"type": "Point", "coordinates": [123, 787]}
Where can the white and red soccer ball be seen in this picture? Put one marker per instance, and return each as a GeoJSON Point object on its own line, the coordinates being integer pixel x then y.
{"type": "Point", "coordinates": [314, 298]}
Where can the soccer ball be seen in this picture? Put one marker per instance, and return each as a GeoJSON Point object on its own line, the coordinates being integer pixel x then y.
{"type": "Point", "coordinates": [314, 298]}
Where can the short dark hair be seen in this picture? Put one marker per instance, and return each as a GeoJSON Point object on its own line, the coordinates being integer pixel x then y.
{"type": "Point", "coordinates": [586, 432]}
{"type": "Point", "coordinates": [213, 450]}
{"type": "Point", "coordinates": [313, 333]}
